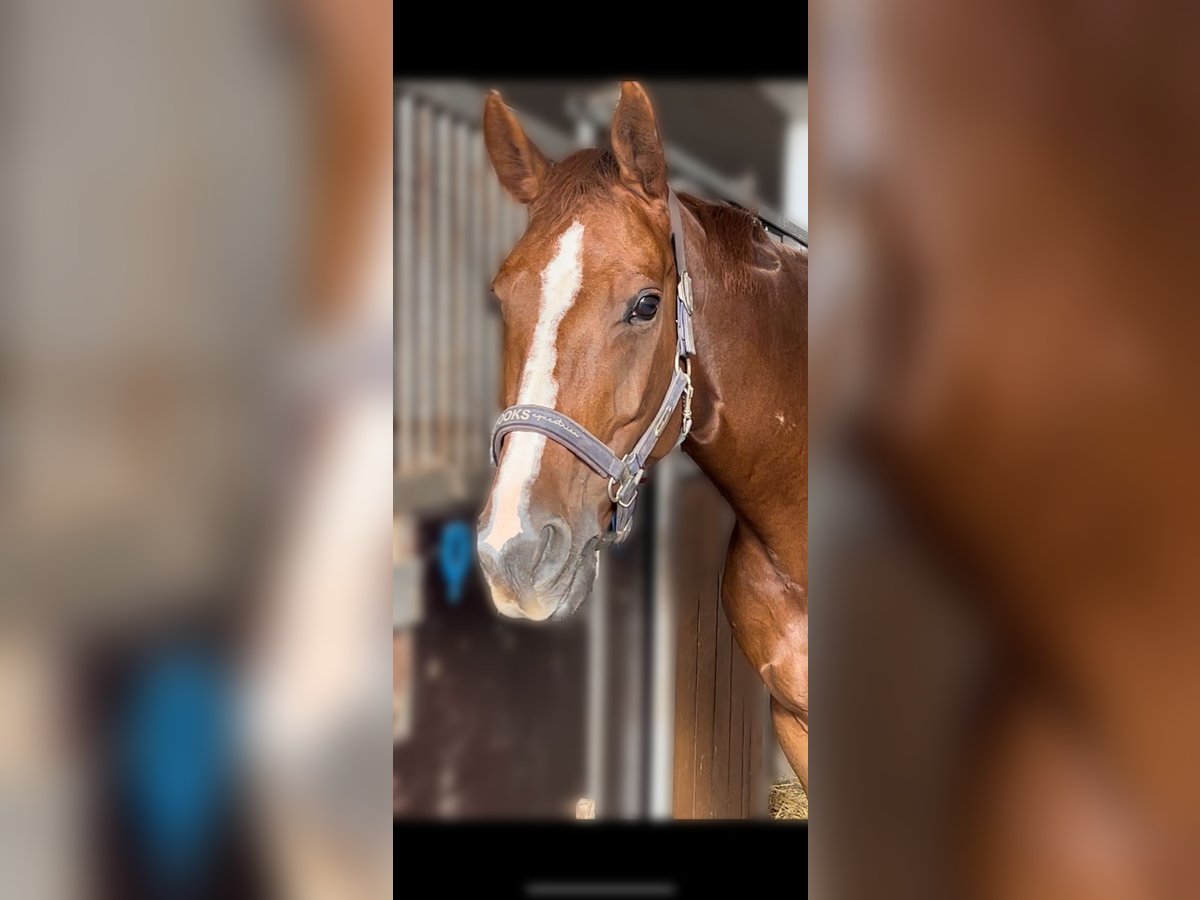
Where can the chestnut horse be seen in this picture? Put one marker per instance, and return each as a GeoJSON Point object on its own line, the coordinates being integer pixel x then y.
{"type": "Point", "coordinates": [589, 301]}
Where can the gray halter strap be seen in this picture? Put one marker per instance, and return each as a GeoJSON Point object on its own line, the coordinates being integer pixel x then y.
{"type": "Point", "coordinates": [624, 473]}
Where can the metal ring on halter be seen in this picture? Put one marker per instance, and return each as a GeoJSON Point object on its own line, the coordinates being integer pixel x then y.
{"type": "Point", "coordinates": [686, 372]}
{"type": "Point", "coordinates": [616, 498]}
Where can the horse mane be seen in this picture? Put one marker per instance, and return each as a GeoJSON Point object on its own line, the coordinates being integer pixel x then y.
{"type": "Point", "coordinates": [585, 174]}
{"type": "Point", "coordinates": [734, 235]}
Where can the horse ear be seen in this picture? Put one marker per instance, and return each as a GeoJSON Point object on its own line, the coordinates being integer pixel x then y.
{"type": "Point", "coordinates": [636, 142]}
{"type": "Point", "coordinates": [519, 164]}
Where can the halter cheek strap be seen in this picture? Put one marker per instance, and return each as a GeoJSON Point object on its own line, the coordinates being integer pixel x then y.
{"type": "Point", "coordinates": [624, 473]}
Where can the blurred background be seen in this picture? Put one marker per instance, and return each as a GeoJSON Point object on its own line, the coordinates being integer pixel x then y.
{"type": "Point", "coordinates": [640, 705]}
{"type": "Point", "coordinates": [195, 379]}
{"type": "Point", "coordinates": [1003, 491]}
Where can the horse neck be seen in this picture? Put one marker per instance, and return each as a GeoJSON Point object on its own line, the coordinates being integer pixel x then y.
{"type": "Point", "coordinates": [750, 432]}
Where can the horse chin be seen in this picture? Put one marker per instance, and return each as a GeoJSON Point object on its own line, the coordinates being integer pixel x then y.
{"type": "Point", "coordinates": [583, 576]}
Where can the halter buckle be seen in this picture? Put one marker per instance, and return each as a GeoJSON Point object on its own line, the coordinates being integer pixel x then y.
{"type": "Point", "coordinates": [685, 291]}
{"type": "Point", "coordinates": [615, 496]}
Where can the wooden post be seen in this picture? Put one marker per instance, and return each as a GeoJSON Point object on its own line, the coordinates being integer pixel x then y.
{"type": "Point", "coordinates": [720, 704]}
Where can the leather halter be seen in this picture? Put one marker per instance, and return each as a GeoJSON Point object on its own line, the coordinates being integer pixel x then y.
{"type": "Point", "coordinates": [624, 473]}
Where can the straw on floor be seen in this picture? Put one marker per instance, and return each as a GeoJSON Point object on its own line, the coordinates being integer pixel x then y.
{"type": "Point", "coordinates": [788, 801]}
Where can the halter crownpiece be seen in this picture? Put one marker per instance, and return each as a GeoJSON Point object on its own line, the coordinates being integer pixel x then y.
{"type": "Point", "coordinates": [624, 473]}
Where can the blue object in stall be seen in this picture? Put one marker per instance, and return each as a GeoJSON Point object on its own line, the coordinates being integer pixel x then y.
{"type": "Point", "coordinates": [455, 552]}
{"type": "Point", "coordinates": [175, 759]}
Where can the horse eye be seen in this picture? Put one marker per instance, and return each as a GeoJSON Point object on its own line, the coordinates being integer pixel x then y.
{"type": "Point", "coordinates": [645, 307]}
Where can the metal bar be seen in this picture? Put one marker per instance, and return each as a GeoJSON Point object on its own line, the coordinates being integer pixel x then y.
{"type": "Point", "coordinates": [445, 359]}
{"type": "Point", "coordinates": [405, 390]}
{"type": "Point", "coordinates": [458, 273]}
{"type": "Point", "coordinates": [477, 436]}
{"type": "Point", "coordinates": [484, 377]}
{"type": "Point", "coordinates": [424, 282]}
{"type": "Point", "coordinates": [399, 349]}
{"type": "Point", "coordinates": [663, 637]}
{"type": "Point", "coordinates": [450, 338]}
{"type": "Point", "coordinates": [512, 231]}
{"type": "Point", "coordinates": [507, 242]}
{"type": "Point", "coordinates": [630, 725]}
{"type": "Point", "coordinates": [496, 251]}
{"type": "Point", "coordinates": [597, 689]}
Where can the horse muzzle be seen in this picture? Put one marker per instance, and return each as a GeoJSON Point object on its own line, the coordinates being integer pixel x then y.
{"type": "Point", "coordinates": [538, 574]}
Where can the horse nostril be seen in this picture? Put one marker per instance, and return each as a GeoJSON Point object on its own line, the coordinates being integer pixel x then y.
{"type": "Point", "coordinates": [547, 536]}
{"type": "Point", "coordinates": [554, 546]}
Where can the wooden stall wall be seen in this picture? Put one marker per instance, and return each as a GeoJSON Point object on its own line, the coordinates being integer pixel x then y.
{"type": "Point", "coordinates": [720, 704]}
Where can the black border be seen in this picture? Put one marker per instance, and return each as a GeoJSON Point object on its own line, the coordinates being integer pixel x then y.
{"type": "Point", "coordinates": [773, 44]}
{"type": "Point", "coordinates": [697, 859]}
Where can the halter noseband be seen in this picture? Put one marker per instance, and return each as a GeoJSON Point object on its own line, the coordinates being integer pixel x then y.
{"type": "Point", "coordinates": [623, 473]}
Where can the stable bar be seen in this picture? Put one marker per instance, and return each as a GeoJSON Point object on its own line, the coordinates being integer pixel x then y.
{"type": "Point", "coordinates": [423, 376]}
{"type": "Point", "coordinates": [662, 655]}
{"type": "Point", "coordinates": [405, 315]}
{"type": "Point", "coordinates": [458, 270]}
{"type": "Point", "coordinates": [445, 299]}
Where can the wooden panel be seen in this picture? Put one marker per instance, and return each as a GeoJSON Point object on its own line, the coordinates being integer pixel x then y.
{"type": "Point", "coordinates": [685, 703]}
{"type": "Point", "coordinates": [735, 784]}
{"type": "Point", "coordinates": [756, 785]}
{"type": "Point", "coordinates": [718, 699]}
{"type": "Point", "coordinates": [705, 590]}
{"type": "Point", "coordinates": [722, 689]}
{"type": "Point", "coordinates": [756, 698]}
{"type": "Point", "coordinates": [742, 681]}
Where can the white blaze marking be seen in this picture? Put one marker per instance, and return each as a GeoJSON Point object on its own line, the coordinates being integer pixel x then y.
{"type": "Point", "coordinates": [523, 449]}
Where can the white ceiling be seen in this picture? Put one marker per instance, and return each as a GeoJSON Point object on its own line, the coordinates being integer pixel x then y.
{"type": "Point", "coordinates": [790, 96]}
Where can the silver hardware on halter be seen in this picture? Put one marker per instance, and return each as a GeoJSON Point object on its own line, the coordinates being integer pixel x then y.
{"type": "Point", "coordinates": [687, 399]}
{"type": "Point", "coordinates": [615, 496]}
{"type": "Point", "coordinates": [685, 291]}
